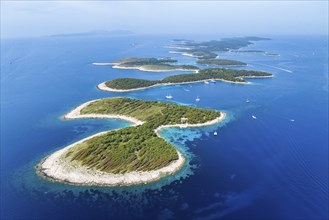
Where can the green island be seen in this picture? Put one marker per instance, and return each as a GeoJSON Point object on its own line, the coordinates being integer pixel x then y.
{"type": "Point", "coordinates": [234, 76]}
{"type": "Point", "coordinates": [151, 64]}
{"type": "Point", "coordinates": [207, 49]}
{"type": "Point", "coordinates": [135, 148]}
{"type": "Point", "coordinates": [127, 156]}
{"type": "Point", "coordinates": [220, 62]}
{"type": "Point", "coordinates": [248, 51]}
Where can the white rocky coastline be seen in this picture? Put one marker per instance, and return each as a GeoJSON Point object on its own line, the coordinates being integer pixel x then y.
{"type": "Point", "coordinates": [56, 168]}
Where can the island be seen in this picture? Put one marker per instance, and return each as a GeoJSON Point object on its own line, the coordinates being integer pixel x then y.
{"type": "Point", "coordinates": [127, 156]}
{"type": "Point", "coordinates": [248, 51]}
{"type": "Point", "coordinates": [208, 49]}
{"type": "Point", "coordinates": [256, 51]}
{"type": "Point", "coordinates": [222, 74]}
{"type": "Point", "coordinates": [220, 62]}
{"type": "Point", "coordinates": [272, 54]}
{"type": "Point", "coordinates": [149, 64]}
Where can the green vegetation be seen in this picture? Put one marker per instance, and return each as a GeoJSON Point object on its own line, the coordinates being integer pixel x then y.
{"type": "Point", "coordinates": [168, 67]}
{"type": "Point", "coordinates": [134, 148]}
{"type": "Point", "coordinates": [205, 74]}
{"type": "Point", "coordinates": [199, 53]}
{"type": "Point", "coordinates": [130, 83]}
{"type": "Point", "coordinates": [135, 61]}
{"type": "Point", "coordinates": [221, 62]}
{"type": "Point", "coordinates": [157, 64]}
{"type": "Point", "coordinates": [205, 50]}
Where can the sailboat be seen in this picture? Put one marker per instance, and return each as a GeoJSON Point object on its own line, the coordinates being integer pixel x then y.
{"type": "Point", "coordinates": [215, 133]}
{"type": "Point", "coordinates": [197, 99]}
{"type": "Point", "coordinates": [169, 96]}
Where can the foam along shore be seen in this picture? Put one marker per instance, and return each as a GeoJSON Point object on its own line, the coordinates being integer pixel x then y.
{"type": "Point", "coordinates": [56, 168]}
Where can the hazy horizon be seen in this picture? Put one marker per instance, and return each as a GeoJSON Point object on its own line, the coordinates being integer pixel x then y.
{"type": "Point", "coordinates": [35, 18]}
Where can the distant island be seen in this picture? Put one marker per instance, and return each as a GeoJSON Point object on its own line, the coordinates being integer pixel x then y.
{"type": "Point", "coordinates": [271, 54]}
{"type": "Point", "coordinates": [126, 156]}
{"type": "Point", "coordinates": [207, 49]}
{"type": "Point", "coordinates": [248, 51]}
{"type": "Point", "coordinates": [256, 51]}
{"type": "Point", "coordinates": [226, 75]}
{"type": "Point", "coordinates": [220, 62]}
{"type": "Point", "coordinates": [149, 64]}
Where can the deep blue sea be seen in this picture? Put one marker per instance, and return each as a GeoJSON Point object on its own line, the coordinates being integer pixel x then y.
{"type": "Point", "coordinates": [271, 167]}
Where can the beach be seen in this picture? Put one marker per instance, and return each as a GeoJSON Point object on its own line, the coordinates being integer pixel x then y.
{"type": "Point", "coordinates": [56, 168]}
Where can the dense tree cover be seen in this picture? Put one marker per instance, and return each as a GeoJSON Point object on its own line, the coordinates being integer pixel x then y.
{"type": "Point", "coordinates": [206, 49]}
{"type": "Point", "coordinates": [201, 53]}
{"type": "Point", "coordinates": [134, 148]}
{"type": "Point", "coordinates": [221, 62]}
{"type": "Point", "coordinates": [169, 67]}
{"type": "Point", "coordinates": [205, 74]}
{"type": "Point", "coordinates": [137, 61]}
{"type": "Point", "coordinates": [152, 64]}
{"type": "Point", "coordinates": [130, 83]}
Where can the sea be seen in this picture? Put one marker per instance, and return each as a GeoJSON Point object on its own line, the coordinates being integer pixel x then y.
{"type": "Point", "coordinates": [268, 161]}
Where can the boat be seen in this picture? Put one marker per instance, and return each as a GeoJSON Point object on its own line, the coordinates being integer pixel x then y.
{"type": "Point", "coordinates": [247, 101]}
{"type": "Point", "coordinates": [197, 99]}
{"type": "Point", "coordinates": [169, 96]}
{"type": "Point", "coordinates": [215, 133]}
{"type": "Point", "coordinates": [206, 82]}
{"type": "Point", "coordinates": [254, 117]}
{"type": "Point", "coordinates": [292, 120]}
{"type": "Point", "coordinates": [212, 81]}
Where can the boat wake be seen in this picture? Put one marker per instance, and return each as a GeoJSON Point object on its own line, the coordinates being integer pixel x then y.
{"type": "Point", "coordinates": [275, 67]}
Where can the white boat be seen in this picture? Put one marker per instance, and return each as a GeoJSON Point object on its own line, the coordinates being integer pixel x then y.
{"type": "Point", "coordinates": [247, 101]}
{"type": "Point", "coordinates": [292, 120]}
{"type": "Point", "coordinates": [206, 82]}
{"type": "Point", "coordinates": [212, 81]}
{"type": "Point", "coordinates": [215, 133]}
{"type": "Point", "coordinates": [169, 96]}
{"type": "Point", "coordinates": [254, 117]}
{"type": "Point", "coordinates": [197, 99]}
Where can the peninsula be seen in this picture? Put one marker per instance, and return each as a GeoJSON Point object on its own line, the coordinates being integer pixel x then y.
{"type": "Point", "coordinates": [226, 75]}
{"type": "Point", "coordinates": [149, 64]}
{"type": "Point", "coordinates": [127, 156]}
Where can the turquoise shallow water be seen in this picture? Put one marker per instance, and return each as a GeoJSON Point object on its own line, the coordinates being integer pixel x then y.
{"type": "Point", "coordinates": [275, 166]}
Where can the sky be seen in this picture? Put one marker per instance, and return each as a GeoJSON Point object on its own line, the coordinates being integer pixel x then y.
{"type": "Point", "coordinates": [41, 18]}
